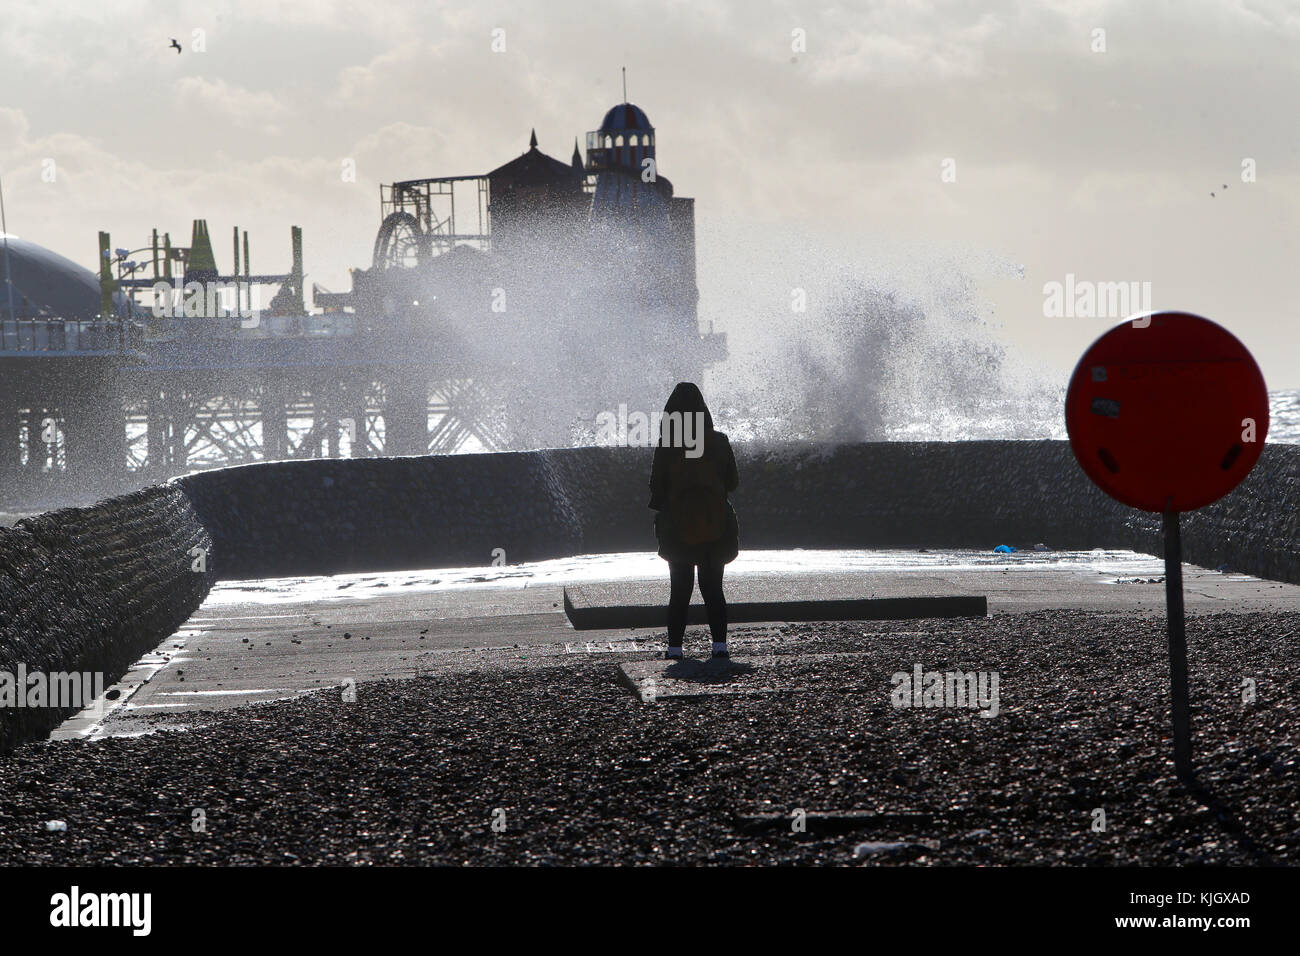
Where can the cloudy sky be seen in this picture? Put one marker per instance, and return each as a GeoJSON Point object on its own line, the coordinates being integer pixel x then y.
{"type": "Point", "coordinates": [1078, 138]}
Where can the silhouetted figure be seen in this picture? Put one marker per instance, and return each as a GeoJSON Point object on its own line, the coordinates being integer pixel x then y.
{"type": "Point", "coordinates": [175, 45]}
{"type": "Point", "coordinates": [694, 469]}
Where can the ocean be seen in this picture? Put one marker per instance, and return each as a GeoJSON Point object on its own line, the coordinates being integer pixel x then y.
{"type": "Point", "coordinates": [1284, 416]}
{"type": "Point", "coordinates": [1033, 418]}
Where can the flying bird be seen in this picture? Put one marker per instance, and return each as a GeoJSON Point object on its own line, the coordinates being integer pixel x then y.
{"type": "Point", "coordinates": [176, 45]}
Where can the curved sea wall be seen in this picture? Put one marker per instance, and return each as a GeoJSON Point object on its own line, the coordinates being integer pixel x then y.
{"type": "Point", "coordinates": [945, 495]}
{"type": "Point", "coordinates": [1255, 529]}
{"type": "Point", "coordinates": [328, 516]}
{"type": "Point", "coordinates": [336, 515]}
{"type": "Point", "coordinates": [90, 589]}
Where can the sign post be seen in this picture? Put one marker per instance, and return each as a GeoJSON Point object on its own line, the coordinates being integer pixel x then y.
{"type": "Point", "coordinates": [1168, 412]}
{"type": "Point", "coordinates": [1182, 710]}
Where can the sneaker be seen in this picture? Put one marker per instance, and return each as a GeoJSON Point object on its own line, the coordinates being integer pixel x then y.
{"type": "Point", "coordinates": [720, 649]}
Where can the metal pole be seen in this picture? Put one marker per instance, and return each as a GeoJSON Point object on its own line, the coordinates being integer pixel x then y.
{"type": "Point", "coordinates": [295, 236]}
{"type": "Point", "coordinates": [1182, 713]}
{"type": "Point", "coordinates": [121, 319]}
{"type": "Point", "coordinates": [239, 292]}
{"type": "Point", "coordinates": [105, 282]}
{"type": "Point", "coordinates": [4, 228]}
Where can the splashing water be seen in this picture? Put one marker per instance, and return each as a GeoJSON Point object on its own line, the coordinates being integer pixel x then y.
{"type": "Point", "coordinates": [898, 352]}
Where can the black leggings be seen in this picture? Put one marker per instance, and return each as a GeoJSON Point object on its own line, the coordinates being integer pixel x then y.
{"type": "Point", "coordinates": [682, 576]}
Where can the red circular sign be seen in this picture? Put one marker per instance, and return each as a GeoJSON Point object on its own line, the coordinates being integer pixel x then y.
{"type": "Point", "coordinates": [1167, 411]}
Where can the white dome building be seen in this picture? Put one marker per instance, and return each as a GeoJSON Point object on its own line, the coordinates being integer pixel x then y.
{"type": "Point", "coordinates": [44, 283]}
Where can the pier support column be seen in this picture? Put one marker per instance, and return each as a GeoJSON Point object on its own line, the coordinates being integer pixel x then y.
{"type": "Point", "coordinates": [329, 409]}
{"type": "Point", "coordinates": [348, 404]}
{"type": "Point", "coordinates": [176, 415]}
{"type": "Point", "coordinates": [10, 461]}
{"type": "Point", "coordinates": [406, 418]}
{"type": "Point", "coordinates": [354, 404]}
{"type": "Point", "coordinates": [156, 440]}
{"type": "Point", "coordinates": [275, 421]}
{"type": "Point", "coordinates": [95, 439]}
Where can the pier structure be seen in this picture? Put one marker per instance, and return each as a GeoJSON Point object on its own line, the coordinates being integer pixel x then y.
{"type": "Point", "coordinates": [482, 292]}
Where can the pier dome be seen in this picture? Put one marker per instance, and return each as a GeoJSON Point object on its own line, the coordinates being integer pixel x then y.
{"type": "Point", "coordinates": [46, 284]}
{"type": "Point", "coordinates": [625, 116]}
{"type": "Point", "coordinates": [624, 141]}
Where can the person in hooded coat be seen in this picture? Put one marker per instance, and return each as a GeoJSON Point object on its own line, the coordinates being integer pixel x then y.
{"type": "Point", "coordinates": [693, 471]}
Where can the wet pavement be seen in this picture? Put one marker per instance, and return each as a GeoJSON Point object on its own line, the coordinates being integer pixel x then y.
{"type": "Point", "coordinates": [274, 639]}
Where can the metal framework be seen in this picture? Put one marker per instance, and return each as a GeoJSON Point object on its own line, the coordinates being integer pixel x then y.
{"type": "Point", "coordinates": [461, 409]}
{"type": "Point", "coordinates": [419, 220]}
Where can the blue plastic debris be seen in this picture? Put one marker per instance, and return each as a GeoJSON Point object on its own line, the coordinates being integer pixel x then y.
{"type": "Point", "coordinates": [1004, 549]}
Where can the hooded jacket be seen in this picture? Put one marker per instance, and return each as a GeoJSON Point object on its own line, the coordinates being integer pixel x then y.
{"type": "Point", "coordinates": [686, 400]}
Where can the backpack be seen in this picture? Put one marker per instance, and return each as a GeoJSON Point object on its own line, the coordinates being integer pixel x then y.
{"type": "Point", "coordinates": [697, 504]}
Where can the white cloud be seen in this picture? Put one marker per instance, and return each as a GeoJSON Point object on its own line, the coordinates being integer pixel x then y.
{"type": "Point", "coordinates": [203, 100]}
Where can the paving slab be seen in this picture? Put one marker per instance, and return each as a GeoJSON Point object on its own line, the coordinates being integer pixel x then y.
{"type": "Point", "coordinates": [690, 679]}
{"type": "Point", "coordinates": [695, 678]}
{"type": "Point", "coordinates": [830, 597]}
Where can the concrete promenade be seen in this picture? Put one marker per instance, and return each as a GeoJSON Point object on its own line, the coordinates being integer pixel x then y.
{"type": "Point", "coordinates": [267, 640]}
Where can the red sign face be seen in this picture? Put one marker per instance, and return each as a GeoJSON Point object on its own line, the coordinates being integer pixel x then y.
{"type": "Point", "coordinates": [1167, 411]}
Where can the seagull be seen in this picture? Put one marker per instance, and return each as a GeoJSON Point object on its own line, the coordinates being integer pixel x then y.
{"type": "Point", "coordinates": [176, 45]}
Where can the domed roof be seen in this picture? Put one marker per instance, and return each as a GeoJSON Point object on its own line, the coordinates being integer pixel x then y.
{"type": "Point", "coordinates": [51, 284]}
{"type": "Point", "coordinates": [623, 117]}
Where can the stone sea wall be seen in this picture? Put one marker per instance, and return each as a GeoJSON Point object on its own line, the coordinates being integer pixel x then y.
{"type": "Point", "coordinates": [330, 516]}
{"type": "Point", "coordinates": [88, 590]}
